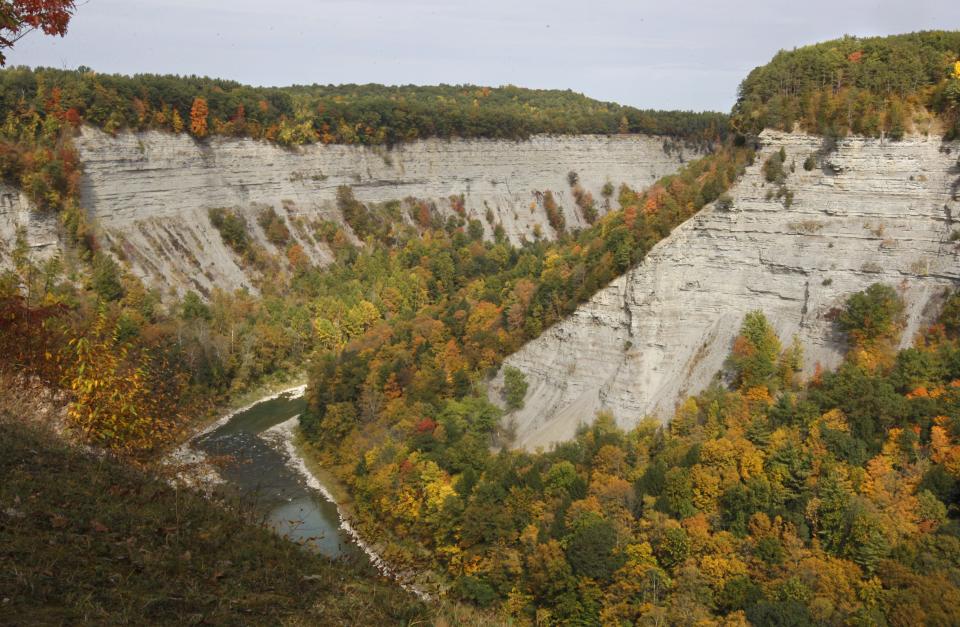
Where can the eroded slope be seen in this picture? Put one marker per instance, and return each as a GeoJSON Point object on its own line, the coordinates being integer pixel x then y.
{"type": "Point", "coordinates": [150, 192]}
{"type": "Point", "coordinates": [871, 211]}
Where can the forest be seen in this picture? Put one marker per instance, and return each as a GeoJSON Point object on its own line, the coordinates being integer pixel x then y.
{"type": "Point", "coordinates": [771, 500]}
{"type": "Point", "coordinates": [342, 114]}
{"type": "Point", "coordinates": [864, 86]}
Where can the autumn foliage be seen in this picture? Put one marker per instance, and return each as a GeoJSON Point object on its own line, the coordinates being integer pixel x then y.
{"type": "Point", "coordinates": [198, 118]}
{"type": "Point", "coordinates": [773, 502]}
{"type": "Point", "coordinates": [20, 16]}
{"type": "Point", "coordinates": [123, 397]}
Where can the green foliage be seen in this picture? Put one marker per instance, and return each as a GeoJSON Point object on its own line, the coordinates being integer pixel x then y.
{"type": "Point", "coordinates": [274, 227]}
{"type": "Point", "coordinates": [950, 315]}
{"type": "Point", "coordinates": [756, 352]}
{"type": "Point", "coordinates": [872, 314]}
{"type": "Point", "coordinates": [591, 549]}
{"type": "Point", "coordinates": [773, 170]}
{"type": "Point", "coordinates": [514, 387]}
{"type": "Point", "coordinates": [348, 114]}
{"type": "Point", "coordinates": [105, 279]}
{"type": "Point", "coordinates": [673, 548]}
{"type": "Point", "coordinates": [866, 86]}
{"type": "Point", "coordinates": [232, 228]}
{"type": "Point", "coordinates": [193, 307]}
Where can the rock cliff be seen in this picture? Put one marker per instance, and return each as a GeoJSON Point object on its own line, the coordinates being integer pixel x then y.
{"type": "Point", "coordinates": [150, 192]}
{"type": "Point", "coordinates": [870, 211]}
{"type": "Point", "coordinates": [18, 218]}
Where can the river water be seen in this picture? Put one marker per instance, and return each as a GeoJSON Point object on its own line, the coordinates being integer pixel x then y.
{"type": "Point", "coordinates": [260, 471]}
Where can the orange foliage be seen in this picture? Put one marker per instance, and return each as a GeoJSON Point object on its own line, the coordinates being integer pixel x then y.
{"type": "Point", "coordinates": [198, 117]}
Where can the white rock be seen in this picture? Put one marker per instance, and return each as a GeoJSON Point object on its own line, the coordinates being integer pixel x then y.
{"type": "Point", "coordinates": [150, 192]}
{"type": "Point", "coordinates": [39, 228]}
{"type": "Point", "coordinates": [884, 212]}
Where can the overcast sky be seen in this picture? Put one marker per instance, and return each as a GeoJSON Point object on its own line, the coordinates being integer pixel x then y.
{"type": "Point", "coordinates": [670, 54]}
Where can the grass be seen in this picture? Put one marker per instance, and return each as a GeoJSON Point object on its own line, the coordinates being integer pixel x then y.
{"type": "Point", "coordinates": [86, 539]}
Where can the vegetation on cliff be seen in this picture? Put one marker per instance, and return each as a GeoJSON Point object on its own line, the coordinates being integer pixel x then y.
{"type": "Point", "coordinates": [343, 114]}
{"type": "Point", "coordinates": [864, 86]}
{"type": "Point", "coordinates": [124, 355]}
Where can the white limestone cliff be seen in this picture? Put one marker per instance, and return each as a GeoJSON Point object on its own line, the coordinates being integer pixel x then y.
{"type": "Point", "coordinates": [872, 211]}
{"type": "Point", "coordinates": [18, 220]}
{"type": "Point", "coordinates": [149, 193]}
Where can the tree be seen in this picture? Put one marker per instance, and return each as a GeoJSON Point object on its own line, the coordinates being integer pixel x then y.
{"type": "Point", "coordinates": [176, 121]}
{"type": "Point", "coordinates": [193, 308]}
{"type": "Point", "coordinates": [106, 277]}
{"type": "Point", "coordinates": [19, 17]}
{"type": "Point", "coordinates": [872, 313]}
{"type": "Point", "coordinates": [198, 117]}
{"type": "Point", "coordinates": [756, 352]}
{"type": "Point", "coordinates": [590, 549]}
{"type": "Point", "coordinates": [514, 387]}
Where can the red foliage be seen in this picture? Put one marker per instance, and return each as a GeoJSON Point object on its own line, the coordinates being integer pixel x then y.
{"type": "Point", "coordinates": [73, 117]}
{"type": "Point", "coordinates": [27, 343]}
{"type": "Point", "coordinates": [426, 426]}
{"type": "Point", "coordinates": [855, 57]}
{"type": "Point", "coordinates": [21, 16]}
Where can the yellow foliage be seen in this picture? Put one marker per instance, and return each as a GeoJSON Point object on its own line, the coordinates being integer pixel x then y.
{"type": "Point", "coordinates": [956, 70]}
{"type": "Point", "coordinates": [177, 122]}
{"type": "Point", "coordinates": [943, 450]}
{"type": "Point", "coordinates": [706, 487]}
{"type": "Point", "coordinates": [115, 399]}
{"type": "Point", "coordinates": [718, 569]}
{"type": "Point", "coordinates": [835, 420]}
{"type": "Point", "coordinates": [759, 394]}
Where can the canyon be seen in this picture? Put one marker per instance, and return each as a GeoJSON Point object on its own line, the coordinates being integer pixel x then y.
{"type": "Point", "coordinates": [869, 211]}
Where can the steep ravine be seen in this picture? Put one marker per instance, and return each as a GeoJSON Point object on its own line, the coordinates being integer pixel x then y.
{"type": "Point", "coordinates": [871, 211]}
{"type": "Point", "coordinates": [149, 193]}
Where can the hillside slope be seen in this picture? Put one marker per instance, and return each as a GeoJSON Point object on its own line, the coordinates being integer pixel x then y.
{"type": "Point", "coordinates": [74, 526]}
{"type": "Point", "coordinates": [870, 211]}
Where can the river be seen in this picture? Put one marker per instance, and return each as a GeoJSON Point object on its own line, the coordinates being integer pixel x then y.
{"type": "Point", "coordinates": [261, 471]}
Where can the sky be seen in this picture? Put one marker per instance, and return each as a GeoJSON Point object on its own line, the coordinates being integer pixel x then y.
{"type": "Point", "coordinates": [663, 54]}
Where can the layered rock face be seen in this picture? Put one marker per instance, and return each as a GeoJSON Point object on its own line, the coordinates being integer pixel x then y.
{"type": "Point", "coordinates": [18, 219]}
{"type": "Point", "coordinates": [150, 192]}
{"type": "Point", "coordinates": [871, 211]}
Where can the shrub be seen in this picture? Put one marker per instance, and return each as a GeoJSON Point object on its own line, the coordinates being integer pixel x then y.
{"type": "Point", "coordinates": [106, 278]}
{"type": "Point", "coordinates": [554, 214]}
{"type": "Point", "coordinates": [872, 313]}
{"type": "Point", "coordinates": [274, 227]}
{"type": "Point", "coordinates": [233, 229]}
{"type": "Point", "coordinates": [773, 170]}
{"type": "Point", "coordinates": [514, 387]}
